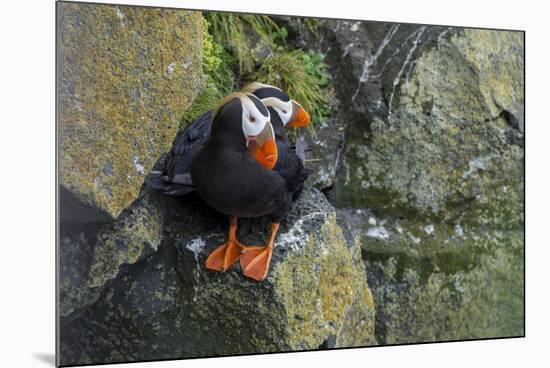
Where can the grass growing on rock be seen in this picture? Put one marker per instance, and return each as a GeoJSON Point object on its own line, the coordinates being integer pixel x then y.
{"type": "Point", "coordinates": [302, 75]}
{"type": "Point", "coordinates": [242, 48]}
{"type": "Point", "coordinates": [233, 32]}
{"type": "Point", "coordinates": [217, 67]}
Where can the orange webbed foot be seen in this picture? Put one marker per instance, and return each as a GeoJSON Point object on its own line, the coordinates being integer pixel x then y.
{"type": "Point", "coordinates": [224, 256]}
{"type": "Point", "coordinates": [255, 262]}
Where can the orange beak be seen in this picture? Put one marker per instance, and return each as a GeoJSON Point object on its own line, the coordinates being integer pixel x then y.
{"type": "Point", "coordinates": [263, 148]}
{"type": "Point", "coordinates": [301, 120]}
{"type": "Point", "coordinates": [265, 154]}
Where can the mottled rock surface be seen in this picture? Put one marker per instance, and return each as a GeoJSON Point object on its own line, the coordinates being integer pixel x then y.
{"type": "Point", "coordinates": [436, 121]}
{"type": "Point", "coordinates": [438, 281]}
{"type": "Point", "coordinates": [126, 75]}
{"type": "Point", "coordinates": [92, 254]}
{"type": "Point", "coordinates": [167, 305]}
{"type": "Point", "coordinates": [431, 177]}
{"type": "Point", "coordinates": [422, 162]}
{"type": "Point", "coordinates": [325, 144]}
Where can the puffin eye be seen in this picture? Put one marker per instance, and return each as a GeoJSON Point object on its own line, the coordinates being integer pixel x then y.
{"type": "Point", "coordinates": [284, 111]}
{"type": "Point", "coordinates": [252, 119]}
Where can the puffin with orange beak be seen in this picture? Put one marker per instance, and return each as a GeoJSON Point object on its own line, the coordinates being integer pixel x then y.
{"type": "Point", "coordinates": [284, 113]}
{"type": "Point", "coordinates": [233, 174]}
{"type": "Point", "coordinates": [290, 112]}
{"type": "Point", "coordinates": [174, 177]}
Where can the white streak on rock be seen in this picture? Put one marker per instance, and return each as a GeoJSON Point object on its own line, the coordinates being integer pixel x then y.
{"type": "Point", "coordinates": [429, 229]}
{"type": "Point", "coordinates": [378, 232]}
{"type": "Point", "coordinates": [371, 59]}
{"type": "Point", "coordinates": [459, 231]}
{"type": "Point", "coordinates": [296, 237]}
{"type": "Point", "coordinates": [348, 47]}
{"type": "Point", "coordinates": [196, 246]}
{"type": "Point", "coordinates": [397, 51]}
{"type": "Point", "coordinates": [416, 42]}
{"type": "Point", "coordinates": [475, 164]}
{"type": "Point", "coordinates": [414, 239]}
{"type": "Point", "coordinates": [137, 164]}
{"type": "Point", "coordinates": [171, 67]}
{"type": "Point", "coordinates": [120, 16]}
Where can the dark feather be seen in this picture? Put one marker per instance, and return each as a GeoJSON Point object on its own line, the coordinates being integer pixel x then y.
{"type": "Point", "coordinates": [173, 176]}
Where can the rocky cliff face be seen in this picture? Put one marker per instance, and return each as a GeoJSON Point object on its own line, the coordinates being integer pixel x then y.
{"type": "Point", "coordinates": [431, 174]}
{"type": "Point", "coordinates": [416, 236]}
{"type": "Point", "coordinates": [125, 76]}
{"type": "Point", "coordinates": [153, 299]}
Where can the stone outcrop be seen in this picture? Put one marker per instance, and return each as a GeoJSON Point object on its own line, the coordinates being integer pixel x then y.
{"type": "Point", "coordinates": [166, 305]}
{"type": "Point", "coordinates": [125, 77]}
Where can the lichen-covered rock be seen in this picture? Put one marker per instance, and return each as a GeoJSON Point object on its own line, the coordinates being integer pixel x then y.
{"type": "Point", "coordinates": [419, 305]}
{"type": "Point", "coordinates": [431, 177]}
{"type": "Point", "coordinates": [168, 306]}
{"type": "Point", "coordinates": [325, 143]}
{"type": "Point", "coordinates": [92, 254]}
{"type": "Point", "coordinates": [136, 234]}
{"type": "Point", "coordinates": [437, 281]}
{"type": "Point", "coordinates": [436, 121]}
{"type": "Point", "coordinates": [125, 76]}
{"type": "Point", "coordinates": [315, 290]}
{"type": "Point", "coordinates": [137, 317]}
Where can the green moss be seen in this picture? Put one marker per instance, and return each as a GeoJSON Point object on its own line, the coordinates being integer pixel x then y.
{"type": "Point", "coordinates": [126, 75]}
{"type": "Point", "coordinates": [312, 24]}
{"type": "Point", "coordinates": [318, 286]}
{"type": "Point", "coordinates": [217, 65]}
{"type": "Point", "coordinates": [255, 47]}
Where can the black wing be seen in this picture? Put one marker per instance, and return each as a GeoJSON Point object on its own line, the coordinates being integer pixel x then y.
{"type": "Point", "coordinates": [173, 177]}
{"type": "Point", "coordinates": [291, 168]}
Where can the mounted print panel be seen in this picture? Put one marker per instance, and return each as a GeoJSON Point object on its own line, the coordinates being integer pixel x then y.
{"type": "Point", "coordinates": [242, 183]}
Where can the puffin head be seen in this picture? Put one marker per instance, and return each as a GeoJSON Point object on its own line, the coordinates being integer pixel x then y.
{"type": "Point", "coordinates": [255, 125]}
{"type": "Point", "coordinates": [291, 113]}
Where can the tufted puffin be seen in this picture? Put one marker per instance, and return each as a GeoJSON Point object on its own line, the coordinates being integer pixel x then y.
{"type": "Point", "coordinates": [233, 174]}
{"type": "Point", "coordinates": [174, 177]}
{"type": "Point", "coordinates": [284, 112]}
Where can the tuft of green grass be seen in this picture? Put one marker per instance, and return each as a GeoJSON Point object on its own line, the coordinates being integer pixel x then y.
{"type": "Point", "coordinates": [233, 32]}
{"type": "Point", "coordinates": [311, 23]}
{"type": "Point", "coordinates": [230, 44]}
{"type": "Point", "coordinates": [302, 75]}
{"type": "Point", "coordinates": [204, 102]}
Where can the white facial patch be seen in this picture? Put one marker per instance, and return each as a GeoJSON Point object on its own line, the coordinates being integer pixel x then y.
{"type": "Point", "coordinates": [253, 121]}
{"type": "Point", "coordinates": [284, 109]}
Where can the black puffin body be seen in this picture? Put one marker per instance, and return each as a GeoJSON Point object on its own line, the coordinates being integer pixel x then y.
{"type": "Point", "coordinates": [175, 177]}
{"type": "Point", "coordinates": [289, 165]}
{"type": "Point", "coordinates": [229, 179]}
{"type": "Point", "coordinates": [232, 181]}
